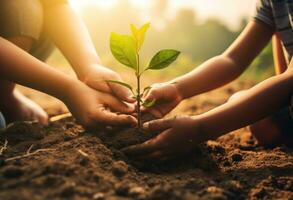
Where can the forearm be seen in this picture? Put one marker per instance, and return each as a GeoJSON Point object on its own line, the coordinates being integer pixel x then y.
{"type": "Point", "coordinates": [71, 36]}
{"type": "Point", "coordinates": [212, 74]}
{"type": "Point", "coordinates": [18, 66]}
{"type": "Point", "coordinates": [257, 103]}
{"type": "Point", "coordinates": [222, 69]}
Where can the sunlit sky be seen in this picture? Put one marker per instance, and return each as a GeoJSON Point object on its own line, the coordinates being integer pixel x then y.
{"type": "Point", "coordinates": [230, 11]}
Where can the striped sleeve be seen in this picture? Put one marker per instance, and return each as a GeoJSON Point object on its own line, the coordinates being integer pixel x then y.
{"type": "Point", "coordinates": [264, 13]}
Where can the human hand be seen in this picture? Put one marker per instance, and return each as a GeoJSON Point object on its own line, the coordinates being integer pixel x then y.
{"type": "Point", "coordinates": [92, 108]}
{"type": "Point", "coordinates": [166, 96]}
{"type": "Point", "coordinates": [179, 136]}
{"type": "Point", "coordinates": [96, 78]}
{"type": "Point", "coordinates": [17, 107]}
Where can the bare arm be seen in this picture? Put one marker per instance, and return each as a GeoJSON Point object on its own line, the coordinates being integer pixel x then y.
{"type": "Point", "coordinates": [180, 134]}
{"type": "Point", "coordinates": [224, 68]}
{"type": "Point", "coordinates": [69, 33]}
{"type": "Point", "coordinates": [257, 103]}
{"type": "Point", "coordinates": [87, 105]}
{"type": "Point", "coordinates": [20, 67]}
{"type": "Point", "coordinates": [71, 36]}
{"type": "Point", "coordinates": [212, 74]}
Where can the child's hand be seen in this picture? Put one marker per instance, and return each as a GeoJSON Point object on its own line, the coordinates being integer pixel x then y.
{"type": "Point", "coordinates": [179, 136]}
{"type": "Point", "coordinates": [167, 98]}
{"type": "Point", "coordinates": [92, 108]}
{"type": "Point", "coordinates": [96, 79]}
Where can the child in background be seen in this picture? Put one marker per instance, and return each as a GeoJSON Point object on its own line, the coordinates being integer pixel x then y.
{"type": "Point", "coordinates": [30, 28]}
{"type": "Point", "coordinates": [265, 107]}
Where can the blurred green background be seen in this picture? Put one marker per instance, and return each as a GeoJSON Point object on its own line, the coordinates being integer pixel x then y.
{"type": "Point", "coordinates": [198, 38]}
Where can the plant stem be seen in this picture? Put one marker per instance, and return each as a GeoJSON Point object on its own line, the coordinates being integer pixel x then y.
{"type": "Point", "coordinates": [138, 95]}
{"type": "Point", "coordinates": [138, 104]}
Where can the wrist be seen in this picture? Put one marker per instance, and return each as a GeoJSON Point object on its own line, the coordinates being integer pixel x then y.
{"type": "Point", "coordinates": [200, 131]}
{"type": "Point", "coordinates": [202, 127]}
{"type": "Point", "coordinates": [179, 90]}
{"type": "Point", "coordinates": [84, 72]}
{"type": "Point", "coordinates": [64, 92]}
{"type": "Point", "coordinates": [7, 99]}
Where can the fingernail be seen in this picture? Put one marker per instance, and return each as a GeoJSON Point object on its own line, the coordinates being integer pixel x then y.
{"type": "Point", "coordinates": [145, 126]}
{"type": "Point", "coordinates": [125, 150]}
{"type": "Point", "coordinates": [133, 121]}
{"type": "Point", "coordinates": [130, 99]}
{"type": "Point", "coordinates": [133, 124]}
{"type": "Point", "coordinates": [129, 109]}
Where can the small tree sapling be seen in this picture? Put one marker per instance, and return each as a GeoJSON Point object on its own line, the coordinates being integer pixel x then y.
{"type": "Point", "coordinates": [126, 49]}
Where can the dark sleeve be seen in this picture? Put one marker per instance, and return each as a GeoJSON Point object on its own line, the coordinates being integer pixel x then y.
{"type": "Point", "coordinates": [264, 13]}
{"type": "Point", "coordinates": [49, 3]}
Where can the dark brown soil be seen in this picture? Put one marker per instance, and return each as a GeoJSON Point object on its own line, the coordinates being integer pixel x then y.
{"type": "Point", "coordinates": [77, 164]}
{"type": "Point", "coordinates": [63, 161]}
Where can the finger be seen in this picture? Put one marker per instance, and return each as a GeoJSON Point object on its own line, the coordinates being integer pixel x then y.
{"type": "Point", "coordinates": [158, 156]}
{"type": "Point", "coordinates": [152, 156]}
{"type": "Point", "coordinates": [111, 118]}
{"type": "Point", "coordinates": [164, 154]}
{"type": "Point", "coordinates": [155, 155]}
{"type": "Point", "coordinates": [156, 113]}
{"type": "Point", "coordinates": [122, 92]}
{"type": "Point", "coordinates": [158, 125]}
{"type": "Point", "coordinates": [153, 111]}
{"type": "Point", "coordinates": [159, 110]}
{"type": "Point", "coordinates": [100, 85]}
{"type": "Point", "coordinates": [41, 117]}
{"type": "Point", "coordinates": [164, 109]}
{"type": "Point", "coordinates": [147, 93]}
{"type": "Point", "coordinates": [118, 106]}
{"type": "Point", "coordinates": [144, 148]}
{"type": "Point", "coordinates": [44, 120]}
{"type": "Point", "coordinates": [151, 95]}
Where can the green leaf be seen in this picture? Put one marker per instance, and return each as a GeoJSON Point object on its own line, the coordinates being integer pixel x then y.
{"type": "Point", "coordinates": [124, 50]}
{"type": "Point", "coordinates": [163, 59]}
{"type": "Point", "coordinates": [139, 34]}
{"type": "Point", "coordinates": [149, 104]}
{"type": "Point", "coordinates": [146, 89]}
{"type": "Point", "coordinates": [137, 97]}
{"type": "Point", "coordinates": [121, 83]}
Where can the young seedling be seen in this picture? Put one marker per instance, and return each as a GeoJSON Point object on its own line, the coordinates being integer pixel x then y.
{"type": "Point", "coordinates": [126, 48]}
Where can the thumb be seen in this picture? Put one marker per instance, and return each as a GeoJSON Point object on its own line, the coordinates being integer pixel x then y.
{"type": "Point", "coordinates": [122, 93]}
{"type": "Point", "coordinates": [158, 125]}
{"type": "Point", "coordinates": [99, 85]}
{"type": "Point", "coordinates": [118, 106]}
{"type": "Point", "coordinates": [153, 111]}
{"type": "Point", "coordinates": [109, 118]}
{"type": "Point", "coordinates": [151, 95]}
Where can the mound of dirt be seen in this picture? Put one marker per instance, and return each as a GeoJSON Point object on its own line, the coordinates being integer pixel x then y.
{"type": "Point", "coordinates": [124, 136]}
{"type": "Point", "coordinates": [64, 161]}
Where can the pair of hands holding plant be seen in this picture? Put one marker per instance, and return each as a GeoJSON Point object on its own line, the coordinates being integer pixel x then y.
{"type": "Point", "coordinates": [102, 103]}
{"type": "Point", "coordinates": [107, 96]}
{"type": "Point", "coordinates": [177, 134]}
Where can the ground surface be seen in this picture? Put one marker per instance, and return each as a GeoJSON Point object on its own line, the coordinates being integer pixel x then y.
{"type": "Point", "coordinates": [63, 161]}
